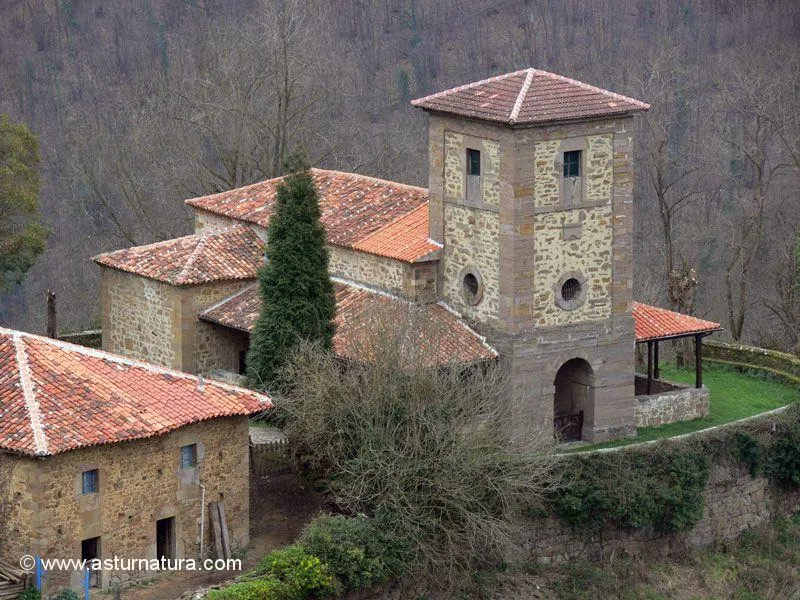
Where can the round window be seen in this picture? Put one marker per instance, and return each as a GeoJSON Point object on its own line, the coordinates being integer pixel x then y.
{"type": "Point", "coordinates": [570, 289]}
{"type": "Point", "coordinates": [471, 286]}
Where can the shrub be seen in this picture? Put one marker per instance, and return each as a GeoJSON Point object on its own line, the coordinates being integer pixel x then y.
{"type": "Point", "coordinates": [30, 593]}
{"type": "Point", "coordinates": [783, 459]}
{"type": "Point", "coordinates": [426, 451]}
{"type": "Point", "coordinates": [257, 589]}
{"type": "Point", "coordinates": [66, 594]}
{"type": "Point", "coordinates": [657, 487]}
{"type": "Point", "coordinates": [357, 549]}
{"type": "Point", "coordinates": [302, 574]}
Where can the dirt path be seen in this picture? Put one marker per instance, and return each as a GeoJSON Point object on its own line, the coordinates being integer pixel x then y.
{"type": "Point", "coordinates": [279, 508]}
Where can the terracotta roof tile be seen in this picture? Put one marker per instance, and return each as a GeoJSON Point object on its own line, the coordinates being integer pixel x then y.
{"type": "Point", "coordinates": [529, 97]}
{"type": "Point", "coordinates": [56, 396]}
{"type": "Point", "coordinates": [439, 334]}
{"type": "Point", "coordinates": [653, 323]}
{"type": "Point", "coordinates": [231, 254]}
{"type": "Point", "coordinates": [353, 206]}
{"type": "Point", "coordinates": [405, 238]}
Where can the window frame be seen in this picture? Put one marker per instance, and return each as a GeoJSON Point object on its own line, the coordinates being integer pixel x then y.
{"type": "Point", "coordinates": [192, 448]}
{"type": "Point", "coordinates": [473, 159]}
{"type": "Point", "coordinates": [92, 476]}
{"type": "Point", "coordinates": [572, 159]}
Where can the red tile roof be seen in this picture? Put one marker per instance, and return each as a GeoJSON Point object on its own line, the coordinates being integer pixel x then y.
{"type": "Point", "coordinates": [228, 255]}
{"type": "Point", "coordinates": [529, 97]}
{"type": "Point", "coordinates": [354, 207]}
{"type": "Point", "coordinates": [440, 335]}
{"type": "Point", "coordinates": [405, 238]}
{"type": "Point", "coordinates": [653, 323]}
{"type": "Point", "coordinates": [56, 396]}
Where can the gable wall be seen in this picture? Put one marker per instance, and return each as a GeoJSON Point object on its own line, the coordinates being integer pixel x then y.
{"type": "Point", "coordinates": [139, 482]}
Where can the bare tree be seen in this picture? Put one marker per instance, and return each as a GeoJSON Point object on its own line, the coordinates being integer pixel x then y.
{"type": "Point", "coordinates": [750, 128]}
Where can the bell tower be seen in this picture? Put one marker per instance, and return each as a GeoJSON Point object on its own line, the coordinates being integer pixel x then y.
{"type": "Point", "coordinates": [531, 195]}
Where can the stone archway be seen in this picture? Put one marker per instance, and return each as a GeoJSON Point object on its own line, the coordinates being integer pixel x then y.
{"type": "Point", "coordinates": [573, 399]}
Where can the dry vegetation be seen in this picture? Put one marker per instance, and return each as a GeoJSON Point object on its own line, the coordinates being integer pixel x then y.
{"type": "Point", "coordinates": [141, 104]}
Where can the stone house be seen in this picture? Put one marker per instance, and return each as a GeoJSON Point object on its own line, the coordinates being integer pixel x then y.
{"type": "Point", "coordinates": [521, 247]}
{"type": "Point", "coordinates": [105, 456]}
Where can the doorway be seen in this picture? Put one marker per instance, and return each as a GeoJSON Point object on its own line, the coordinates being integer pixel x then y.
{"type": "Point", "coordinates": [573, 399]}
{"type": "Point", "coordinates": [165, 538]}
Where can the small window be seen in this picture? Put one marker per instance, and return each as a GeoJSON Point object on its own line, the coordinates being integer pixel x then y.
{"type": "Point", "coordinates": [572, 163]}
{"type": "Point", "coordinates": [570, 289]}
{"type": "Point", "coordinates": [471, 286]}
{"type": "Point", "coordinates": [473, 162]}
{"type": "Point", "coordinates": [189, 456]}
{"type": "Point", "coordinates": [90, 480]}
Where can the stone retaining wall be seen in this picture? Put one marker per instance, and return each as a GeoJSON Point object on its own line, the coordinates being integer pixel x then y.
{"type": "Point", "coordinates": [734, 502]}
{"type": "Point", "coordinates": [675, 403]}
{"type": "Point", "coordinates": [780, 363]}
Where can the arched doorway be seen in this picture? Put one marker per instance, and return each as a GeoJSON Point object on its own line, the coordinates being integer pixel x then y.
{"type": "Point", "coordinates": [573, 399]}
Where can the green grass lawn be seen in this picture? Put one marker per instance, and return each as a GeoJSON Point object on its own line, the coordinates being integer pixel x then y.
{"type": "Point", "coordinates": [734, 395]}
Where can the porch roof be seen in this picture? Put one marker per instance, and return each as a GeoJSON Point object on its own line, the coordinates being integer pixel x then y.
{"type": "Point", "coordinates": [653, 323]}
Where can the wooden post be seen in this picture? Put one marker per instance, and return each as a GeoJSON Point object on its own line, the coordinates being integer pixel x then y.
{"type": "Point", "coordinates": [698, 361]}
{"type": "Point", "coordinates": [656, 369]}
{"type": "Point", "coordinates": [649, 367]}
{"type": "Point", "coordinates": [51, 329]}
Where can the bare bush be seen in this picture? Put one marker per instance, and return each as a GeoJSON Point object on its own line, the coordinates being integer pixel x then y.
{"type": "Point", "coordinates": [426, 450]}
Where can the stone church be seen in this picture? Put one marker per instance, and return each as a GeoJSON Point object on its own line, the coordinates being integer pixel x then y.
{"type": "Point", "coordinates": [520, 246]}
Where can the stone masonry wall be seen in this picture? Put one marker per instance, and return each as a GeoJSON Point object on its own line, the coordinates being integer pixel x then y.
{"type": "Point", "coordinates": [194, 332]}
{"type": "Point", "coordinates": [734, 502]}
{"type": "Point", "coordinates": [471, 237]}
{"type": "Point", "coordinates": [139, 317]}
{"type": "Point", "coordinates": [156, 322]}
{"type": "Point", "coordinates": [588, 257]}
{"type": "Point", "coordinates": [218, 347]}
{"type": "Point", "coordinates": [371, 270]}
{"type": "Point", "coordinates": [140, 482]}
{"type": "Point", "coordinates": [681, 404]}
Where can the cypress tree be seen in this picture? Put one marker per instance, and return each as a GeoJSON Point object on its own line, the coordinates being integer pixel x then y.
{"type": "Point", "coordinates": [297, 295]}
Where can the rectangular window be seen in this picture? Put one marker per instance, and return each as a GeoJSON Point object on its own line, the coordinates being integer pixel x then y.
{"type": "Point", "coordinates": [572, 163]}
{"type": "Point", "coordinates": [473, 162]}
{"type": "Point", "coordinates": [242, 362]}
{"type": "Point", "coordinates": [189, 456]}
{"type": "Point", "coordinates": [90, 480]}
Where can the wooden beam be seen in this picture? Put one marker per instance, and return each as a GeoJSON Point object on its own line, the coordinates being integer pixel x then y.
{"type": "Point", "coordinates": [226, 540]}
{"type": "Point", "coordinates": [216, 529]}
{"type": "Point", "coordinates": [656, 369]}
{"type": "Point", "coordinates": [698, 361]}
{"type": "Point", "coordinates": [649, 368]}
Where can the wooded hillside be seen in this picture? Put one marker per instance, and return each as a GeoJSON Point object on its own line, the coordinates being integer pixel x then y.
{"type": "Point", "coordinates": [141, 104]}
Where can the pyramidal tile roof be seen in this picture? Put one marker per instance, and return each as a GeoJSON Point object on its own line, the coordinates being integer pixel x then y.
{"type": "Point", "coordinates": [231, 254]}
{"type": "Point", "coordinates": [439, 334]}
{"type": "Point", "coordinates": [353, 206]}
{"type": "Point", "coordinates": [56, 397]}
{"type": "Point", "coordinates": [528, 97]}
{"type": "Point", "coordinates": [653, 323]}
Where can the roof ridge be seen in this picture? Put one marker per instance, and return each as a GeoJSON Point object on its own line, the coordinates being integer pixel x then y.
{"type": "Point", "coordinates": [183, 275]}
{"type": "Point", "coordinates": [201, 235]}
{"type": "Point", "coordinates": [28, 393]}
{"type": "Point", "coordinates": [190, 201]}
{"type": "Point", "coordinates": [593, 88]}
{"type": "Point", "coordinates": [372, 178]}
{"type": "Point", "coordinates": [521, 97]}
{"type": "Point", "coordinates": [124, 360]}
{"type": "Point", "coordinates": [467, 86]}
